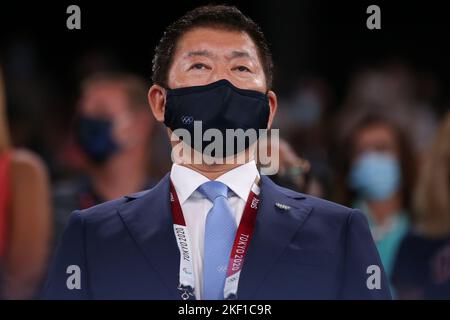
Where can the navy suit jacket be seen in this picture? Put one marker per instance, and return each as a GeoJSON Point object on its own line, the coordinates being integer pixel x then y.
{"type": "Point", "coordinates": [126, 249]}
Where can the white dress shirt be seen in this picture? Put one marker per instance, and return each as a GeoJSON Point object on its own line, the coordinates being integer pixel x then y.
{"type": "Point", "coordinates": [196, 206]}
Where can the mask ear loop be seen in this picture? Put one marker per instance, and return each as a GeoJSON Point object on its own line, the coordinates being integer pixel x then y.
{"type": "Point", "coordinates": [268, 104]}
{"type": "Point", "coordinates": [166, 89]}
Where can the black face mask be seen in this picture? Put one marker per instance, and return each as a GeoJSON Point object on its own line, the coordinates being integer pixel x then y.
{"type": "Point", "coordinates": [219, 105]}
{"type": "Point", "coordinates": [94, 136]}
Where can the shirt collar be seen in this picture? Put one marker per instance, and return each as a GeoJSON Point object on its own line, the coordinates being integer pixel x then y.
{"type": "Point", "coordinates": [239, 180]}
{"type": "Point", "coordinates": [186, 181]}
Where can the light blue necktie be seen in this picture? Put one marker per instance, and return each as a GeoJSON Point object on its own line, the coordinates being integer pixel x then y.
{"type": "Point", "coordinates": [220, 230]}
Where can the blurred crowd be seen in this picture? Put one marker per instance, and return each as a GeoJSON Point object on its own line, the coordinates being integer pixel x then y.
{"type": "Point", "coordinates": [383, 148]}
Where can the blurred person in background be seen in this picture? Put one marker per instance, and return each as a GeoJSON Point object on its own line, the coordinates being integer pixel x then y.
{"type": "Point", "coordinates": [294, 171]}
{"type": "Point", "coordinates": [422, 268]}
{"type": "Point", "coordinates": [378, 174]}
{"type": "Point", "coordinates": [25, 218]}
{"type": "Point", "coordinates": [396, 91]}
{"type": "Point", "coordinates": [112, 132]}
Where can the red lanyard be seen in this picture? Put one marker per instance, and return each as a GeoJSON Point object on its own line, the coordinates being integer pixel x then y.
{"type": "Point", "coordinates": [238, 252]}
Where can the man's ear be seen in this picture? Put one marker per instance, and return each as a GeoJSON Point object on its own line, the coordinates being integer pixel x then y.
{"type": "Point", "coordinates": [273, 105]}
{"type": "Point", "coordinates": [157, 100]}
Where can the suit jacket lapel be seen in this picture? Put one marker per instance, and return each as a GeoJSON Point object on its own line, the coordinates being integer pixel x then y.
{"type": "Point", "coordinates": [149, 221]}
{"type": "Point", "coordinates": [274, 230]}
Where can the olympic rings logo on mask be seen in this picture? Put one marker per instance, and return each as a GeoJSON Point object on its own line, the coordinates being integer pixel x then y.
{"type": "Point", "coordinates": [187, 119]}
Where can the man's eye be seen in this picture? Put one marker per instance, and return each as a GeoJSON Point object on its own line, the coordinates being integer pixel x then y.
{"type": "Point", "coordinates": [198, 66]}
{"type": "Point", "coordinates": [242, 69]}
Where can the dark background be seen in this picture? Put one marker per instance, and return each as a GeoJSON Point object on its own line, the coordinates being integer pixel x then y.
{"type": "Point", "coordinates": [328, 38]}
{"type": "Point", "coordinates": [44, 62]}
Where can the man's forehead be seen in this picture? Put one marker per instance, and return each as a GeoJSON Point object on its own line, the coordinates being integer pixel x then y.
{"type": "Point", "coordinates": [210, 42]}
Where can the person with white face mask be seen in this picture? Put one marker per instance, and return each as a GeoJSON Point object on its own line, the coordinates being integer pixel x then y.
{"type": "Point", "coordinates": [377, 179]}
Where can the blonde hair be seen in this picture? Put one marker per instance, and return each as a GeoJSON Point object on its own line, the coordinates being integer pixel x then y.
{"type": "Point", "coordinates": [4, 132]}
{"type": "Point", "coordinates": [432, 198]}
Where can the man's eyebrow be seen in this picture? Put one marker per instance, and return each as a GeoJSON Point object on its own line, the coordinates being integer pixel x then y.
{"type": "Point", "coordinates": [240, 54]}
{"type": "Point", "coordinates": [203, 53]}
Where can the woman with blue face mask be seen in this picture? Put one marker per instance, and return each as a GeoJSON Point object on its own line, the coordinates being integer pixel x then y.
{"type": "Point", "coordinates": [378, 172]}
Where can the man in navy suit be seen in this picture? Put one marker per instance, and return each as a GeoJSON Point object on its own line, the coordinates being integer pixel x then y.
{"type": "Point", "coordinates": [221, 230]}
